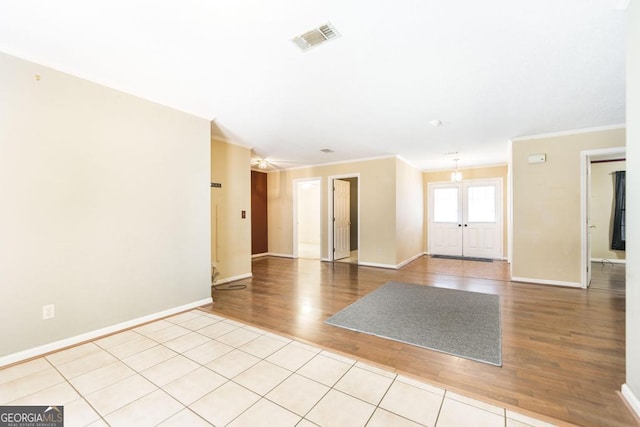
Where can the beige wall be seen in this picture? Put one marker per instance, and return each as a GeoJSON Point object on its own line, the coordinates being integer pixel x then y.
{"type": "Point", "coordinates": [105, 206]}
{"type": "Point", "coordinates": [470, 174]}
{"type": "Point", "coordinates": [377, 178]}
{"type": "Point", "coordinates": [601, 207]}
{"type": "Point", "coordinates": [631, 390]}
{"type": "Point", "coordinates": [230, 233]}
{"type": "Point", "coordinates": [546, 205]}
{"type": "Point", "coordinates": [409, 212]}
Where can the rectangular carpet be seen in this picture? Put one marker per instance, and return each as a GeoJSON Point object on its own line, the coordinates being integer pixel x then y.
{"type": "Point", "coordinates": [461, 323]}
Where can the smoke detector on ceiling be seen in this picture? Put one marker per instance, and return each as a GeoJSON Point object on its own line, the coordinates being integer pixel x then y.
{"type": "Point", "coordinates": [315, 37]}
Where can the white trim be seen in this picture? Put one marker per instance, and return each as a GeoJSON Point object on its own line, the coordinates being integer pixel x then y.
{"type": "Point", "coordinates": [612, 261]}
{"type": "Point", "coordinates": [341, 162]}
{"type": "Point", "coordinates": [325, 260]}
{"type": "Point", "coordinates": [227, 141]}
{"type": "Point", "coordinates": [111, 84]}
{"type": "Point", "coordinates": [546, 282]}
{"type": "Point", "coordinates": [260, 255]}
{"type": "Point", "coordinates": [413, 258]}
{"type": "Point", "coordinates": [461, 169]}
{"type": "Point", "coordinates": [408, 162]}
{"type": "Point", "coordinates": [510, 207]}
{"type": "Point", "coordinates": [569, 132]}
{"type": "Point", "coordinates": [330, 227]}
{"type": "Point", "coordinates": [631, 398]}
{"type": "Point", "coordinates": [585, 159]}
{"type": "Point", "coordinates": [234, 278]}
{"type": "Point", "coordinates": [375, 264]}
{"type": "Point", "coordinates": [281, 255]}
{"type": "Point", "coordinates": [498, 182]}
{"type": "Point", "coordinates": [57, 345]}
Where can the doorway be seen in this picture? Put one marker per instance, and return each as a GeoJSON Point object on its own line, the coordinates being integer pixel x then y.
{"type": "Point", "coordinates": [465, 218]}
{"type": "Point", "coordinates": [307, 219]}
{"type": "Point", "coordinates": [344, 218]}
{"type": "Point", "coordinates": [602, 267]}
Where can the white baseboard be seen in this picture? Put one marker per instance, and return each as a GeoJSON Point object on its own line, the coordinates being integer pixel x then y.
{"type": "Point", "coordinates": [57, 345]}
{"type": "Point", "coordinates": [612, 261]}
{"type": "Point", "coordinates": [234, 278]}
{"type": "Point", "coordinates": [407, 261]}
{"type": "Point", "coordinates": [631, 398]}
{"type": "Point", "coordinates": [260, 255]}
{"type": "Point", "coordinates": [375, 264]}
{"type": "Point", "coordinates": [546, 282]}
{"type": "Point", "coordinates": [325, 260]}
{"type": "Point", "coordinates": [280, 255]}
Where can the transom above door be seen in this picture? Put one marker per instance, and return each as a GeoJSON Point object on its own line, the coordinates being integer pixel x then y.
{"type": "Point", "coordinates": [465, 218]}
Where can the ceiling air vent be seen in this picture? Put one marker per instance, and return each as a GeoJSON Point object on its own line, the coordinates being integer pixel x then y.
{"type": "Point", "coordinates": [316, 36]}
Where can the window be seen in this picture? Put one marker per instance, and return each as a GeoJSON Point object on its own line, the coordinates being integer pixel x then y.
{"type": "Point", "coordinates": [481, 204]}
{"type": "Point", "coordinates": [445, 206]}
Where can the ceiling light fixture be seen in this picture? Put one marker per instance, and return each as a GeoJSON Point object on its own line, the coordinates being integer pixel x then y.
{"type": "Point", "coordinates": [456, 175]}
{"type": "Point", "coordinates": [262, 164]}
{"type": "Point", "coordinates": [435, 122]}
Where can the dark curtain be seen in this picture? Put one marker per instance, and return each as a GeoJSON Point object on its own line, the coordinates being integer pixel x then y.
{"type": "Point", "coordinates": [618, 240]}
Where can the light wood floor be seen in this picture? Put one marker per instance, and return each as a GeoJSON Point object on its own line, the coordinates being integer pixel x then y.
{"type": "Point", "coordinates": [563, 349]}
{"type": "Point", "coordinates": [608, 276]}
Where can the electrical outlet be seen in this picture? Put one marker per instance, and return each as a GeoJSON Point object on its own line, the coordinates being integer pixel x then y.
{"type": "Point", "coordinates": [48, 311]}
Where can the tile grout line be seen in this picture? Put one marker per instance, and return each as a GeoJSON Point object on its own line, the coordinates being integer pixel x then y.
{"type": "Point", "coordinates": [381, 399]}
{"type": "Point", "coordinates": [444, 396]}
{"type": "Point", "coordinates": [100, 417]}
{"type": "Point", "coordinates": [235, 347]}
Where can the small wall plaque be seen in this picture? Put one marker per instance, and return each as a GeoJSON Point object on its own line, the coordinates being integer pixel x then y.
{"type": "Point", "coordinates": [216, 185]}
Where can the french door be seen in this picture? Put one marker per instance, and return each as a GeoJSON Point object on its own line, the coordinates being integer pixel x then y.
{"type": "Point", "coordinates": [465, 218]}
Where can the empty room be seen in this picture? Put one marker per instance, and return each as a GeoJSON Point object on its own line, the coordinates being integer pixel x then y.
{"type": "Point", "coordinates": [330, 214]}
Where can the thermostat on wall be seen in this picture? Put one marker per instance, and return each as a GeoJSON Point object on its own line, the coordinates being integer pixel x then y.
{"type": "Point", "coordinates": [537, 158]}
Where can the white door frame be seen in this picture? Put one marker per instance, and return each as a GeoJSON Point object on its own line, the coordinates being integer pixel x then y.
{"type": "Point", "coordinates": [499, 212]}
{"type": "Point", "coordinates": [330, 231]}
{"type": "Point", "coordinates": [585, 158]}
{"type": "Point", "coordinates": [297, 182]}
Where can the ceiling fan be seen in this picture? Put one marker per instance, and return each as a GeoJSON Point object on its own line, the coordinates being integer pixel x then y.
{"type": "Point", "coordinates": [263, 163]}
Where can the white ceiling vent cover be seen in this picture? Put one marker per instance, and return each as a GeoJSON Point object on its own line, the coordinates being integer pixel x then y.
{"type": "Point", "coordinates": [316, 36]}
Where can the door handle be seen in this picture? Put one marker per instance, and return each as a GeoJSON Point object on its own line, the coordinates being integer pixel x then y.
{"type": "Point", "coordinates": [465, 225]}
{"type": "Point", "coordinates": [459, 225]}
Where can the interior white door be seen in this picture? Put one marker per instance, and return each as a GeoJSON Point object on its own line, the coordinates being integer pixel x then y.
{"type": "Point", "coordinates": [482, 219]}
{"type": "Point", "coordinates": [445, 219]}
{"type": "Point", "coordinates": [341, 219]}
{"type": "Point", "coordinates": [465, 219]}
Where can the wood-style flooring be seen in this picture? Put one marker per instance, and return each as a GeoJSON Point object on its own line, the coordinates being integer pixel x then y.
{"type": "Point", "coordinates": [607, 276]}
{"type": "Point", "coordinates": [563, 349]}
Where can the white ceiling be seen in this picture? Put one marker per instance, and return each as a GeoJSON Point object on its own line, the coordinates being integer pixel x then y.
{"type": "Point", "coordinates": [490, 70]}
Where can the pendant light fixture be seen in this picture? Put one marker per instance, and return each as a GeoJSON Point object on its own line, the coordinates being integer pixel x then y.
{"type": "Point", "coordinates": [456, 175]}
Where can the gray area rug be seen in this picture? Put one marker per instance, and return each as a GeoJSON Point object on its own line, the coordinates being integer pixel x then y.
{"type": "Point", "coordinates": [461, 323]}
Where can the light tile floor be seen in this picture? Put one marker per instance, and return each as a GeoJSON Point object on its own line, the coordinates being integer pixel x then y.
{"type": "Point", "coordinates": [197, 369]}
